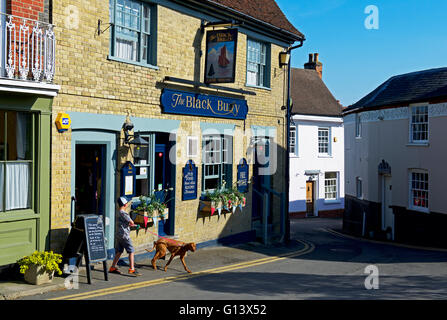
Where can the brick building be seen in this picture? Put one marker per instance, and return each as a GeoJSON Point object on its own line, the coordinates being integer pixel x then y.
{"type": "Point", "coordinates": [119, 65]}
{"type": "Point", "coordinates": [124, 62]}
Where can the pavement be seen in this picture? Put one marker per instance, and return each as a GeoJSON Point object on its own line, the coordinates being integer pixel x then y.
{"type": "Point", "coordinates": [223, 256]}
{"type": "Point", "coordinates": [16, 288]}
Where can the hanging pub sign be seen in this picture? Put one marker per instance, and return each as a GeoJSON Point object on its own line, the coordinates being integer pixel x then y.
{"type": "Point", "coordinates": [220, 60]}
{"type": "Point", "coordinates": [242, 176]}
{"type": "Point", "coordinates": [189, 189]}
{"type": "Point", "coordinates": [194, 104]}
{"type": "Point", "coordinates": [128, 182]}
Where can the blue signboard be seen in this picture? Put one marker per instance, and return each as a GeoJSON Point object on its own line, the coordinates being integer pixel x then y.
{"type": "Point", "coordinates": [189, 189]}
{"type": "Point", "coordinates": [194, 104]}
{"type": "Point", "coordinates": [242, 176]}
{"type": "Point", "coordinates": [128, 182]}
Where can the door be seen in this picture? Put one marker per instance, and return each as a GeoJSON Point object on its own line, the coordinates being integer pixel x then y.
{"type": "Point", "coordinates": [261, 178]}
{"type": "Point", "coordinates": [90, 179]}
{"type": "Point", "coordinates": [164, 172]}
{"type": "Point", "coordinates": [387, 212]}
{"type": "Point", "coordinates": [310, 200]}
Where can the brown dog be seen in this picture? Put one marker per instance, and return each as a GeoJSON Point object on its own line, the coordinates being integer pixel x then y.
{"type": "Point", "coordinates": [176, 248]}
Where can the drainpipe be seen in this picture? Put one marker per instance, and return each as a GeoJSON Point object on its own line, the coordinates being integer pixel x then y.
{"type": "Point", "coordinates": [287, 218]}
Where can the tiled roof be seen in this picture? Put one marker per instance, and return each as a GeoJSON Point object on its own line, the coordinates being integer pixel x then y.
{"type": "Point", "coordinates": [264, 10]}
{"type": "Point", "coordinates": [407, 88]}
{"type": "Point", "coordinates": [310, 96]}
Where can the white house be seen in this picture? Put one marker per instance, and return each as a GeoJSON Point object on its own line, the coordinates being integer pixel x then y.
{"type": "Point", "coordinates": [316, 145]}
{"type": "Point", "coordinates": [396, 157]}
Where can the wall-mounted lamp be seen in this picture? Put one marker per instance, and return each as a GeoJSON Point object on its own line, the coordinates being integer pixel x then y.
{"type": "Point", "coordinates": [284, 58]}
{"type": "Point", "coordinates": [132, 139]}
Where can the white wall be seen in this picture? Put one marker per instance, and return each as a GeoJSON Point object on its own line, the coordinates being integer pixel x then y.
{"type": "Point", "coordinates": [307, 158]}
{"type": "Point", "coordinates": [385, 135]}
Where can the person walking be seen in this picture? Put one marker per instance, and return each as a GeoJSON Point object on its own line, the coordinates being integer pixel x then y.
{"type": "Point", "coordinates": [123, 240]}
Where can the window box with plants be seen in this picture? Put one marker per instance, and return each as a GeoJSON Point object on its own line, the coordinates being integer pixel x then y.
{"type": "Point", "coordinates": [227, 200]}
{"type": "Point", "coordinates": [151, 208]}
{"type": "Point", "coordinates": [39, 268]}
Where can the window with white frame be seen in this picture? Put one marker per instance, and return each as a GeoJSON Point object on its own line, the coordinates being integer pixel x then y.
{"type": "Point", "coordinates": [359, 187]}
{"type": "Point", "coordinates": [419, 190]}
{"type": "Point", "coordinates": [191, 147]}
{"type": "Point", "coordinates": [419, 124]}
{"type": "Point", "coordinates": [293, 139]}
{"type": "Point", "coordinates": [330, 185]}
{"type": "Point", "coordinates": [217, 162]}
{"type": "Point", "coordinates": [323, 141]}
{"type": "Point", "coordinates": [132, 31]}
{"type": "Point", "coordinates": [358, 126]}
{"type": "Point", "coordinates": [258, 64]}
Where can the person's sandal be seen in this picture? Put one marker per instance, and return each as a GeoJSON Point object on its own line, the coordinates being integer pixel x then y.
{"type": "Point", "coordinates": [114, 270]}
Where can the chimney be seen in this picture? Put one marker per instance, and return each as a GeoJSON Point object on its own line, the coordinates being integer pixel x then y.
{"type": "Point", "coordinates": [314, 64]}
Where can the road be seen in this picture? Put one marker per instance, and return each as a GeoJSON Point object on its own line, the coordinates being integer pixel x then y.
{"type": "Point", "coordinates": [319, 264]}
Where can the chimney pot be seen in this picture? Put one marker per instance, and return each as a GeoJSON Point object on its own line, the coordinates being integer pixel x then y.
{"type": "Point", "coordinates": [310, 57]}
{"type": "Point", "coordinates": [315, 57]}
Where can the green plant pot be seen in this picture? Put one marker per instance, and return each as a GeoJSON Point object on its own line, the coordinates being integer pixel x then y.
{"type": "Point", "coordinates": [37, 275]}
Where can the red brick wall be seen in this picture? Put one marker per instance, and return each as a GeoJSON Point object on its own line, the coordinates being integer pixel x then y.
{"type": "Point", "coordinates": [25, 8]}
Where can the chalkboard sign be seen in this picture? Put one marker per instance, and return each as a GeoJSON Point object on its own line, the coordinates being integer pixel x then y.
{"type": "Point", "coordinates": [189, 189]}
{"type": "Point", "coordinates": [242, 176]}
{"type": "Point", "coordinates": [94, 231]}
{"type": "Point", "coordinates": [86, 239]}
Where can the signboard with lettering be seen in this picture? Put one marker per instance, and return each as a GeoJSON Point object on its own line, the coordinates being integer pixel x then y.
{"type": "Point", "coordinates": [86, 238]}
{"type": "Point", "coordinates": [194, 104]}
{"type": "Point", "coordinates": [189, 189]}
{"type": "Point", "coordinates": [242, 176]}
{"type": "Point", "coordinates": [220, 60]}
{"type": "Point", "coordinates": [94, 231]}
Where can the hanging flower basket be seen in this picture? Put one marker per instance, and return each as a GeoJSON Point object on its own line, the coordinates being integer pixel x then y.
{"type": "Point", "coordinates": [143, 219]}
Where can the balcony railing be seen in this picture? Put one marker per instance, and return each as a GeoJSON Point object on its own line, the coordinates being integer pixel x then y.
{"type": "Point", "coordinates": [27, 49]}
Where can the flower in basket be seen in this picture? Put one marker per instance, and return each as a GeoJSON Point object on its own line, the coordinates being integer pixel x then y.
{"type": "Point", "coordinates": [215, 198]}
{"type": "Point", "coordinates": [48, 262]}
{"type": "Point", "coordinates": [144, 211]}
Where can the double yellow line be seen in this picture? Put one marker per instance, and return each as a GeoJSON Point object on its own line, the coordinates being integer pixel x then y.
{"type": "Point", "coordinates": [308, 247]}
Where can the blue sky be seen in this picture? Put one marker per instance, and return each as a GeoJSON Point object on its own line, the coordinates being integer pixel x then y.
{"type": "Point", "coordinates": [412, 36]}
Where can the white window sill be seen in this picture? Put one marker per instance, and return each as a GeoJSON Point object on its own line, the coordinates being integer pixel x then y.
{"type": "Point", "coordinates": [418, 144]}
{"type": "Point", "coordinates": [419, 209]}
{"type": "Point", "coordinates": [358, 138]}
{"type": "Point", "coordinates": [135, 63]}
{"type": "Point", "coordinates": [258, 87]}
{"type": "Point", "coordinates": [332, 201]}
{"type": "Point", "coordinates": [324, 156]}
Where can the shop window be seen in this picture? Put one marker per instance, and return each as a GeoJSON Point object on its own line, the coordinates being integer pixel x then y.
{"type": "Point", "coordinates": [133, 26]}
{"type": "Point", "coordinates": [258, 64]}
{"type": "Point", "coordinates": [16, 160]}
{"type": "Point", "coordinates": [217, 162]}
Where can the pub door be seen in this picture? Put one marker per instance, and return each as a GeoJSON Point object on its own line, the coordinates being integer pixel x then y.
{"type": "Point", "coordinates": [90, 179]}
{"type": "Point", "coordinates": [164, 173]}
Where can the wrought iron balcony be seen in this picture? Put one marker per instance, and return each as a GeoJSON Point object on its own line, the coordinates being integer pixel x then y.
{"type": "Point", "coordinates": [28, 49]}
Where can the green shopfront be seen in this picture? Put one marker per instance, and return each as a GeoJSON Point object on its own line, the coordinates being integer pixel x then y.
{"type": "Point", "coordinates": [25, 142]}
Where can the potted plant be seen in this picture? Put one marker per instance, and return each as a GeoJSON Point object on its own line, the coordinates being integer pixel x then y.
{"type": "Point", "coordinates": [39, 268]}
